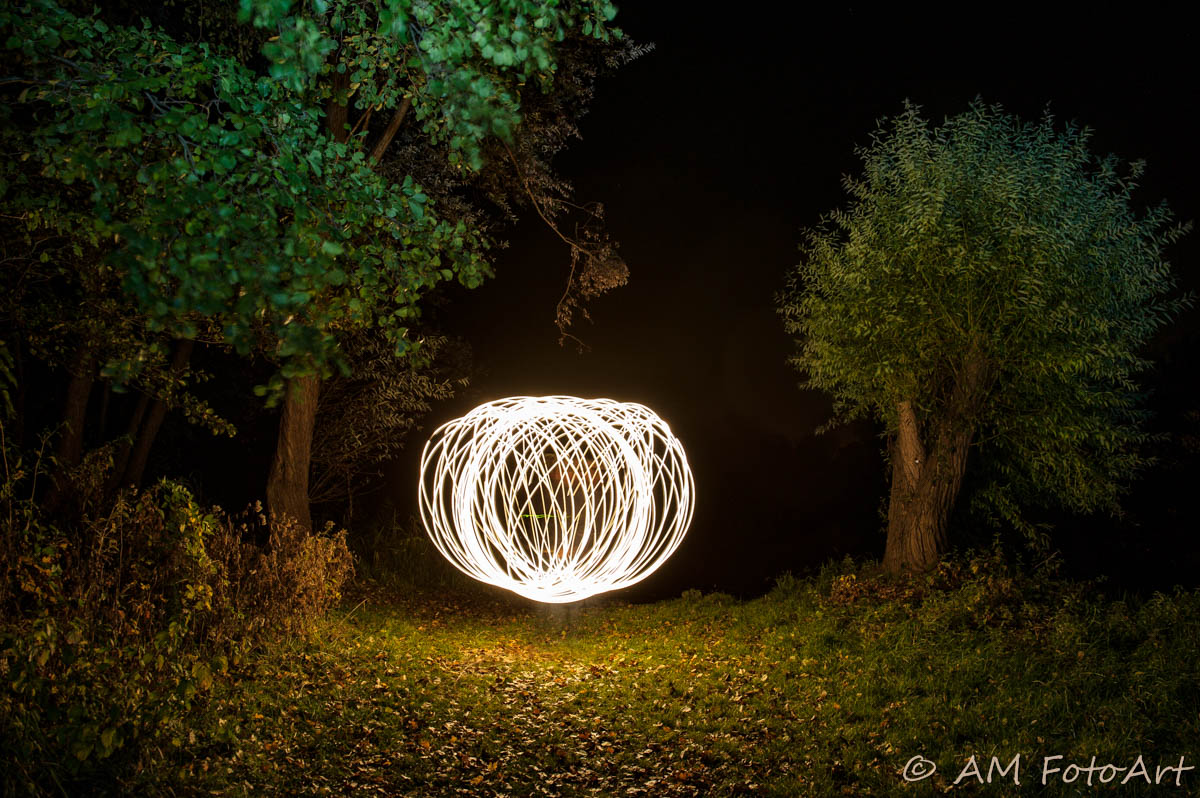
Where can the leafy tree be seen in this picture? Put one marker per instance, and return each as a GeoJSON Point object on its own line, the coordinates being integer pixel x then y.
{"type": "Point", "coordinates": [257, 210]}
{"type": "Point", "coordinates": [987, 291]}
{"type": "Point", "coordinates": [62, 303]}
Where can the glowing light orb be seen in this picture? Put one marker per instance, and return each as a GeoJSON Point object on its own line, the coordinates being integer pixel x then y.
{"type": "Point", "coordinates": [556, 498]}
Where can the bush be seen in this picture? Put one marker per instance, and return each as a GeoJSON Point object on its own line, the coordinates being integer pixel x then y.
{"type": "Point", "coordinates": [118, 619]}
{"type": "Point", "coordinates": [292, 582]}
{"type": "Point", "coordinates": [970, 588]}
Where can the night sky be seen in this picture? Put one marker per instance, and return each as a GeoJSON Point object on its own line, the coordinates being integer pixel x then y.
{"type": "Point", "coordinates": [711, 155]}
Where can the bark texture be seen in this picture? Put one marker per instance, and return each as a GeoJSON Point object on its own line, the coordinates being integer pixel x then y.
{"type": "Point", "coordinates": [336, 110]}
{"type": "Point", "coordinates": [929, 460]}
{"type": "Point", "coordinates": [392, 128]}
{"type": "Point", "coordinates": [70, 446]}
{"type": "Point", "coordinates": [287, 486]}
{"type": "Point", "coordinates": [79, 389]}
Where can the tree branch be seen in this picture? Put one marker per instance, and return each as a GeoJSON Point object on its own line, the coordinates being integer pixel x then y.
{"type": "Point", "coordinates": [576, 248]}
{"type": "Point", "coordinates": [362, 120]}
{"type": "Point", "coordinates": [392, 128]}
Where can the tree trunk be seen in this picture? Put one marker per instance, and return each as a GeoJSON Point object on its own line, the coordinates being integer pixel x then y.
{"type": "Point", "coordinates": [18, 434]}
{"type": "Point", "coordinates": [121, 460]}
{"type": "Point", "coordinates": [79, 389]}
{"type": "Point", "coordinates": [337, 112]}
{"type": "Point", "coordinates": [392, 128]}
{"type": "Point", "coordinates": [926, 480]}
{"type": "Point", "coordinates": [70, 445]}
{"type": "Point", "coordinates": [924, 489]}
{"type": "Point", "coordinates": [140, 453]}
{"type": "Point", "coordinates": [287, 487]}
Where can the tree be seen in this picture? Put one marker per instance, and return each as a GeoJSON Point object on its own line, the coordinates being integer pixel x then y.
{"type": "Point", "coordinates": [987, 291]}
{"type": "Point", "coordinates": [62, 304]}
{"type": "Point", "coordinates": [253, 208]}
{"type": "Point", "coordinates": [467, 69]}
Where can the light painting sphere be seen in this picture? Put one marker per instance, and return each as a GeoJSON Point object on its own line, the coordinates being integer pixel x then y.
{"type": "Point", "coordinates": [556, 498]}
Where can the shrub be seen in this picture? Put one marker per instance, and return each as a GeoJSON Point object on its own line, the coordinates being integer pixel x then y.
{"type": "Point", "coordinates": [116, 620]}
{"type": "Point", "coordinates": [293, 581]}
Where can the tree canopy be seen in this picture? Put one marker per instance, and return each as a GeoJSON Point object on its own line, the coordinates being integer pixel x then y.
{"type": "Point", "coordinates": [280, 179]}
{"type": "Point", "coordinates": [226, 203]}
{"type": "Point", "coordinates": [991, 284]}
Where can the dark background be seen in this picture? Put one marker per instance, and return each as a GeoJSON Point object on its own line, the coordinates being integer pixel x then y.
{"type": "Point", "coordinates": [711, 155]}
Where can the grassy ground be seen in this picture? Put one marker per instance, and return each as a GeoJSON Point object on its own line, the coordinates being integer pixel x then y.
{"type": "Point", "coordinates": [827, 686]}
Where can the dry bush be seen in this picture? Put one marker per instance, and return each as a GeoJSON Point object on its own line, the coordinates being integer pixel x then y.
{"type": "Point", "coordinates": [287, 584]}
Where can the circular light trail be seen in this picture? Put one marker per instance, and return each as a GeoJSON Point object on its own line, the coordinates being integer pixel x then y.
{"type": "Point", "coordinates": [556, 498]}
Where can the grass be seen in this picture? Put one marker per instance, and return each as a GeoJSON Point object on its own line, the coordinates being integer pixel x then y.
{"type": "Point", "coordinates": [827, 686]}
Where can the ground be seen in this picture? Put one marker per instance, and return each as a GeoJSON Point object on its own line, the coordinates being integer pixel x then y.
{"type": "Point", "coordinates": [826, 686]}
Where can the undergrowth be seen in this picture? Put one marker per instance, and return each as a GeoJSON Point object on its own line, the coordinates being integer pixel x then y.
{"type": "Point", "coordinates": [152, 646]}
{"type": "Point", "coordinates": [118, 614]}
{"type": "Point", "coordinates": [829, 685]}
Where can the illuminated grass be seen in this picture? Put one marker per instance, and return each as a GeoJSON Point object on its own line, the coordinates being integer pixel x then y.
{"type": "Point", "coordinates": [827, 687]}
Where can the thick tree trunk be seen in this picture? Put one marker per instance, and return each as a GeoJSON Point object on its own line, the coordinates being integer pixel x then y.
{"type": "Point", "coordinates": [140, 453]}
{"type": "Point", "coordinates": [287, 487]}
{"type": "Point", "coordinates": [337, 113]}
{"type": "Point", "coordinates": [927, 472]}
{"type": "Point", "coordinates": [924, 489]}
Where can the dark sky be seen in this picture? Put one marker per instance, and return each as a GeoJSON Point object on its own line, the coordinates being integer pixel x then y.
{"type": "Point", "coordinates": [711, 154]}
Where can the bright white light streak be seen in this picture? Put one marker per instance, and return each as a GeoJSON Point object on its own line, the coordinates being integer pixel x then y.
{"type": "Point", "coordinates": [556, 498]}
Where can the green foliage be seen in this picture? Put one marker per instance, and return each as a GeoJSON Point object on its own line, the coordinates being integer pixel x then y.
{"type": "Point", "coordinates": [227, 200]}
{"type": "Point", "coordinates": [98, 662]}
{"type": "Point", "coordinates": [224, 201]}
{"type": "Point", "coordinates": [178, 194]}
{"type": "Point", "coordinates": [460, 63]}
{"type": "Point", "coordinates": [1005, 245]}
{"type": "Point", "coordinates": [115, 625]}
